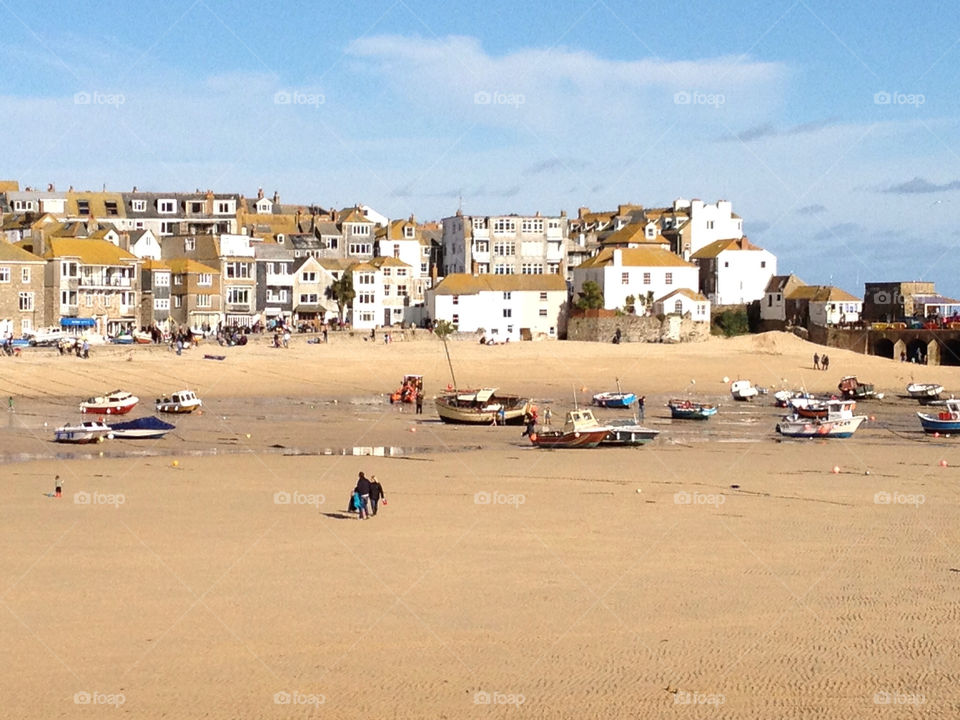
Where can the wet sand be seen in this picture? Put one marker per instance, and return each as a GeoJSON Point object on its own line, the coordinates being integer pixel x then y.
{"type": "Point", "coordinates": [215, 573]}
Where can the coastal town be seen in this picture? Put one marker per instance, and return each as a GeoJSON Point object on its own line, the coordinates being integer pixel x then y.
{"type": "Point", "coordinates": [108, 265]}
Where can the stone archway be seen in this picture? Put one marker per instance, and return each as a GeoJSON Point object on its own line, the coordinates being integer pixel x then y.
{"type": "Point", "coordinates": [883, 348]}
{"type": "Point", "coordinates": [950, 352]}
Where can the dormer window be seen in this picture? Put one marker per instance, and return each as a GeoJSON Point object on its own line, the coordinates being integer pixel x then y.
{"type": "Point", "coordinates": [224, 207]}
{"type": "Point", "coordinates": [189, 244]}
{"type": "Point", "coordinates": [196, 207]}
{"type": "Point", "coordinates": [138, 205]}
{"type": "Point", "coordinates": [167, 206]}
{"type": "Point", "coordinates": [111, 207]}
{"type": "Point", "coordinates": [83, 207]}
{"type": "Point", "coordinates": [408, 232]}
{"type": "Point", "coordinates": [264, 206]}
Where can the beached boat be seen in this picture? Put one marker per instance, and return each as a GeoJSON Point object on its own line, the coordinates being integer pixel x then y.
{"type": "Point", "coordinates": [142, 338]}
{"type": "Point", "coordinates": [743, 390]}
{"type": "Point", "coordinates": [89, 431]}
{"type": "Point", "coordinates": [618, 399]}
{"type": "Point", "coordinates": [945, 421]}
{"type": "Point", "coordinates": [839, 422]}
{"type": "Point", "coordinates": [924, 391]}
{"type": "Point", "coordinates": [182, 401]}
{"type": "Point", "coordinates": [628, 432]}
{"type": "Point", "coordinates": [125, 339]}
{"type": "Point", "coordinates": [481, 407]}
{"type": "Point", "coordinates": [145, 428]}
{"type": "Point", "coordinates": [853, 389]}
{"type": "Point", "coordinates": [782, 398]}
{"type": "Point", "coordinates": [581, 430]}
{"type": "Point", "coordinates": [812, 407]}
{"type": "Point", "coordinates": [116, 402]}
{"type": "Point", "coordinates": [691, 410]}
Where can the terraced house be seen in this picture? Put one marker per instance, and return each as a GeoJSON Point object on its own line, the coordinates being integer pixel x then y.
{"type": "Point", "coordinates": [21, 290]}
{"type": "Point", "coordinates": [196, 299]}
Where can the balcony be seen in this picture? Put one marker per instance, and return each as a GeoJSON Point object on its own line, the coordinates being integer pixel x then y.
{"type": "Point", "coordinates": [93, 281]}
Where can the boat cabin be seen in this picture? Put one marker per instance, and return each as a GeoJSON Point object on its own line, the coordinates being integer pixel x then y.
{"type": "Point", "coordinates": [580, 420]}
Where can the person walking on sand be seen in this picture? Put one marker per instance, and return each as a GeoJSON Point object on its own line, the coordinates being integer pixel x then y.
{"type": "Point", "coordinates": [816, 361]}
{"type": "Point", "coordinates": [419, 402]}
{"type": "Point", "coordinates": [531, 421]}
{"type": "Point", "coordinates": [376, 493]}
{"type": "Point", "coordinates": [824, 362]}
{"type": "Point", "coordinates": [58, 487]}
{"type": "Point", "coordinates": [363, 490]}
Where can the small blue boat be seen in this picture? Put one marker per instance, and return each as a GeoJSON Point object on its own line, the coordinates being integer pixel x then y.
{"type": "Point", "coordinates": [945, 421]}
{"type": "Point", "coordinates": [618, 399]}
{"type": "Point", "coordinates": [146, 428]}
{"type": "Point", "coordinates": [691, 410]}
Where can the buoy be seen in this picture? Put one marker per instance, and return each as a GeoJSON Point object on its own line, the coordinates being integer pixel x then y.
{"type": "Point", "coordinates": [866, 472]}
{"type": "Point", "coordinates": [248, 436]}
{"type": "Point", "coordinates": [533, 437]}
{"type": "Point", "coordinates": [836, 469]}
{"type": "Point", "coordinates": [175, 463]}
{"type": "Point", "coordinates": [943, 463]}
{"type": "Point", "coordinates": [726, 379]}
{"type": "Point", "coordinates": [199, 412]}
{"type": "Point", "coordinates": [583, 389]}
{"type": "Point", "coordinates": [639, 491]}
{"type": "Point", "coordinates": [935, 433]}
{"type": "Point", "coordinates": [413, 429]}
{"type": "Point", "coordinates": [873, 418]}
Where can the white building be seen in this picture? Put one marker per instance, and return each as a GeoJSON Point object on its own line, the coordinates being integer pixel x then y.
{"type": "Point", "coordinates": [708, 222]}
{"type": "Point", "coordinates": [773, 306]}
{"type": "Point", "coordinates": [507, 307]}
{"type": "Point", "coordinates": [682, 301]}
{"type": "Point", "coordinates": [646, 273]}
{"type": "Point", "coordinates": [504, 244]}
{"type": "Point", "coordinates": [822, 305]}
{"type": "Point", "coordinates": [367, 310]}
{"type": "Point", "coordinates": [734, 271]}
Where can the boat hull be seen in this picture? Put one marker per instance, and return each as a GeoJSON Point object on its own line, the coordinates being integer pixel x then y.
{"type": "Point", "coordinates": [924, 391]}
{"type": "Point", "coordinates": [82, 434]}
{"type": "Point", "coordinates": [148, 428]}
{"type": "Point", "coordinates": [569, 440]}
{"type": "Point", "coordinates": [932, 424]}
{"type": "Point", "coordinates": [107, 409]}
{"type": "Point", "coordinates": [485, 412]}
{"type": "Point", "coordinates": [614, 400]}
{"type": "Point", "coordinates": [626, 435]}
{"type": "Point", "coordinates": [692, 411]}
{"type": "Point", "coordinates": [801, 428]}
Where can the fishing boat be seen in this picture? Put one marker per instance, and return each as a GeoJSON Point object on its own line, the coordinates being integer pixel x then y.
{"type": "Point", "coordinates": [853, 389]}
{"type": "Point", "coordinates": [782, 398]}
{"type": "Point", "coordinates": [182, 401]}
{"type": "Point", "coordinates": [628, 432]}
{"type": "Point", "coordinates": [945, 421]}
{"type": "Point", "coordinates": [743, 390]}
{"type": "Point", "coordinates": [580, 430]}
{"type": "Point", "coordinates": [88, 431]}
{"type": "Point", "coordinates": [481, 407]}
{"type": "Point", "coordinates": [839, 422]}
{"type": "Point", "coordinates": [924, 391]}
{"type": "Point", "coordinates": [691, 410]}
{"type": "Point", "coordinates": [117, 402]}
{"type": "Point", "coordinates": [145, 428]}
{"type": "Point", "coordinates": [618, 399]}
{"type": "Point", "coordinates": [813, 407]}
{"type": "Point", "coordinates": [142, 338]}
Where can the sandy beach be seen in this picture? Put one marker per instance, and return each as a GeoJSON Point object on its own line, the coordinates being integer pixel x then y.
{"type": "Point", "coordinates": [717, 572]}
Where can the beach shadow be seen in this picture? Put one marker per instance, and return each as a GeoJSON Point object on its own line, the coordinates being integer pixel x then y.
{"type": "Point", "coordinates": [339, 516]}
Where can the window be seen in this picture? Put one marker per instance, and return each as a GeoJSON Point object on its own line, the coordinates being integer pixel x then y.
{"type": "Point", "coordinates": [83, 207]}
{"type": "Point", "coordinates": [270, 269]}
{"type": "Point", "coordinates": [543, 297]}
{"type": "Point", "coordinates": [481, 246]}
{"type": "Point", "coordinates": [111, 207]}
{"type": "Point", "coordinates": [168, 228]}
{"type": "Point", "coordinates": [238, 270]}
{"type": "Point", "coordinates": [402, 290]}
{"type": "Point", "coordinates": [646, 278]}
{"type": "Point", "coordinates": [224, 208]}
{"type": "Point", "coordinates": [678, 306]}
{"type": "Point", "coordinates": [365, 279]}
{"type": "Point", "coordinates": [308, 277]}
{"type": "Point", "coordinates": [709, 224]}
{"type": "Point", "coordinates": [407, 233]}
{"type": "Point", "coordinates": [68, 297]}
{"type": "Point", "coordinates": [177, 301]}
{"type": "Point", "coordinates": [625, 278]}
{"type": "Point", "coordinates": [386, 272]}
{"type": "Point", "coordinates": [283, 295]}
{"type": "Point", "coordinates": [26, 325]}
{"type": "Point", "coordinates": [532, 269]}
{"type": "Point", "coordinates": [108, 300]}
{"type": "Point", "coordinates": [138, 225]}
{"type": "Point", "coordinates": [366, 298]}
{"type": "Point", "coordinates": [543, 312]}
{"type": "Point", "coordinates": [161, 303]}
{"type": "Point", "coordinates": [26, 301]}
{"type": "Point", "coordinates": [196, 207]}
{"type": "Point", "coordinates": [204, 301]}
{"type": "Point", "coordinates": [479, 223]}
{"type": "Point", "coordinates": [166, 206]}
{"type": "Point", "coordinates": [507, 295]}
{"type": "Point", "coordinates": [504, 225]}
{"type": "Point", "coordinates": [138, 205]}
{"type": "Point", "coordinates": [238, 295]}
{"type": "Point", "coordinates": [505, 248]}
{"type": "Point", "coordinates": [396, 250]}
{"type": "Point", "coordinates": [763, 263]}
{"type": "Point", "coordinates": [456, 299]}
{"type": "Point", "coordinates": [361, 229]}
{"type": "Point", "coordinates": [423, 268]}
{"type": "Point", "coordinates": [531, 225]}
{"type": "Point", "coordinates": [4, 274]}
{"type": "Point", "coordinates": [668, 279]}
{"type": "Point", "coordinates": [189, 244]}
{"type": "Point", "coordinates": [507, 312]}
{"type": "Point", "coordinates": [401, 272]}
{"type": "Point", "coordinates": [161, 279]}
{"type": "Point", "coordinates": [69, 270]}
{"type": "Point", "coordinates": [360, 249]}
{"type": "Point", "coordinates": [769, 300]}
{"type": "Point", "coordinates": [309, 298]}
{"type": "Point", "coordinates": [726, 263]}
{"type": "Point", "coordinates": [386, 291]}
{"type": "Point", "coordinates": [503, 270]}
{"type": "Point", "coordinates": [456, 319]}
{"type": "Point", "coordinates": [178, 280]}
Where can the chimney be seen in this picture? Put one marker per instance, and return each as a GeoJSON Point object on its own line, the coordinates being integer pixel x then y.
{"type": "Point", "coordinates": [537, 214]}
{"type": "Point", "coordinates": [260, 193]}
{"type": "Point", "coordinates": [134, 188]}
{"type": "Point", "coordinates": [208, 204]}
{"type": "Point", "coordinates": [333, 215]}
{"type": "Point", "coordinates": [618, 257]}
{"type": "Point", "coordinates": [125, 241]}
{"type": "Point", "coordinates": [70, 189]}
{"type": "Point", "coordinates": [276, 197]}
{"type": "Point", "coordinates": [51, 188]}
{"type": "Point", "coordinates": [413, 220]}
{"type": "Point", "coordinates": [299, 225]}
{"type": "Point", "coordinates": [313, 222]}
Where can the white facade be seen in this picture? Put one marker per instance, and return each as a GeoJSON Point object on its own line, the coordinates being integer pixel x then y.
{"type": "Point", "coordinates": [681, 302]}
{"type": "Point", "coordinates": [502, 308]}
{"type": "Point", "coordinates": [504, 244]}
{"type": "Point", "coordinates": [835, 312]}
{"type": "Point", "coordinates": [739, 276]}
{"type": "Point", "coordinates": [710, 222]}
{"type": "Point", "coordinates": [146, 247]}
{"type": "Point", "coordinates": [367, 309]}
{"type": "Point", "coordinates": [637, 272]}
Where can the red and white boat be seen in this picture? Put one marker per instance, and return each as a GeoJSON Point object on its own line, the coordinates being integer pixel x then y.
{"type": "Point", "coordinates": [581, 430]}
{"type": "Point", "coordinates": [117, 402]}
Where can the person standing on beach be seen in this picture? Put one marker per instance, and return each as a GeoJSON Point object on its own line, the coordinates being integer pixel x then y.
{"type": "Point", "coordinates": [419, 402]}
{"type": "Point", "coordinates": [531, 421]}
{"type": "Point", "coordinates": [816, 361]}
{"type": "Point", "coordinates": [376, 492]}
{"type": "Point", "coordinates": [58, 487]}
{"type": "Point", "coordinates": [824, 362]}
{"type": "Point", "coordinates": [363, 490]}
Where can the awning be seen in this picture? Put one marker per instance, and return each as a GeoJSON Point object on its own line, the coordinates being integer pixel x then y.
{"type": "Point", "coordinates": [271, 311]}
{"type": "Point", "coordinates": [77, 322]}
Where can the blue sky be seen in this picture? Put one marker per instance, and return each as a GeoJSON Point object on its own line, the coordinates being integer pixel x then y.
{"type": "Point", "coordinates": [833, 130]}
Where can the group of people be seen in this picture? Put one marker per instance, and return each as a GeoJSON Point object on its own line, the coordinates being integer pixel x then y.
{"type": "Point", "coordinates": [81, 347]}
{"type": "Point", "coordinates": [821, 362]}
{"type": "Point", "coordinates": [366, 497]}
